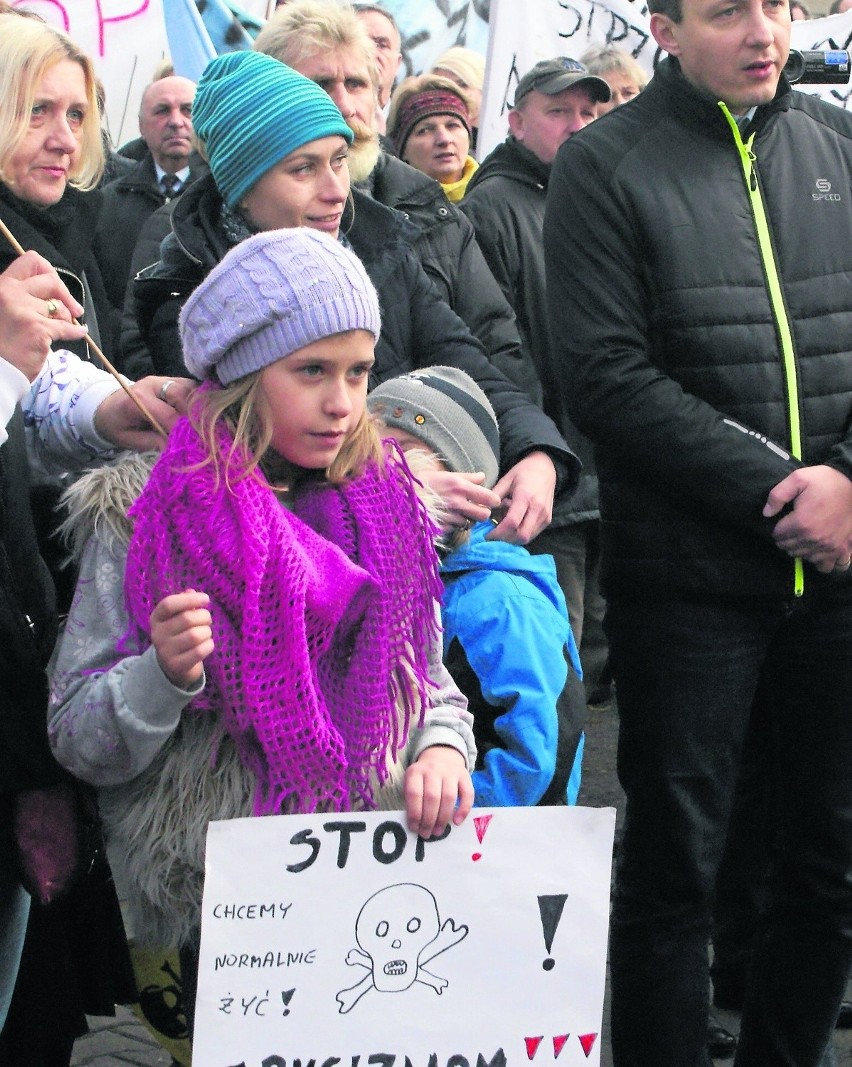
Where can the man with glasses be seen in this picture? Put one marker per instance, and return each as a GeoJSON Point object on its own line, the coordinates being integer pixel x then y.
{"type": "Point", "coordinates": [383, 31]}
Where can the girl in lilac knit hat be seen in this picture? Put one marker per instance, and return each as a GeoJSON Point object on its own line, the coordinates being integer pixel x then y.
{"type": "Point", "coordinates": [265, 640]}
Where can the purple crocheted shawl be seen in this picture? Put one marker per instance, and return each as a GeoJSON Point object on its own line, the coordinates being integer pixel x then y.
{"type": "Point", "coordinates": [323, 616]}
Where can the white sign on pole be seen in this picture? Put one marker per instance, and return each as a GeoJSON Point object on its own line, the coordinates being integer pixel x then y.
{"type": "Point", "coordinates": [346, 941]}
{"type": "Point", "coordinates": [523, 34]}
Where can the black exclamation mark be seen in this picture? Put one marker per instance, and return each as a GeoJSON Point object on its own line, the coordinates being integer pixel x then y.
{"type": "Point", "coordinates": [287, 996]}
{"type": "Point", "coordinates": [550, 908]}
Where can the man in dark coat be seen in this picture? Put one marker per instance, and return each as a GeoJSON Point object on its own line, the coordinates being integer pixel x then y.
{"type": "Point", "coordinates": [698, 247]}
{"type": "Point", "coordinates": [165, 122]}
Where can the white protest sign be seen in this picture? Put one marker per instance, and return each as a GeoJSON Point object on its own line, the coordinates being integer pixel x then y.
{"type": "Point", "coordinates": [344, 940]}
{"type": "Point", "coordinates": [125, 38]}
{"type": "Point", "coordinates": [523, 34]}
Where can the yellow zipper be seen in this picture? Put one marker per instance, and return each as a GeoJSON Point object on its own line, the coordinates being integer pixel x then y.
{"type": "Point", "coordinates": [776, 296]}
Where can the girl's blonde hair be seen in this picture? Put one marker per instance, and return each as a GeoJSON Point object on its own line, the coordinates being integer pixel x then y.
{"type": "Point", "coordinates": [244, 410]}
{"type": "Point", "coordinates": [28, 49]}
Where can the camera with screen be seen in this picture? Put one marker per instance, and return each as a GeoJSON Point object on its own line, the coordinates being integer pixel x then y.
{"type": "Point", "coordinates": [815, 67]}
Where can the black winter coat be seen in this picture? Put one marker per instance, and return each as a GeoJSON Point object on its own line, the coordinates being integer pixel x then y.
{"type": "Point", "coordinates": [126, 204]}
{"type": "Point", "coordinates": [64, 234]}
{"type": "Point", "coordinates": [418, 327]}
{"type": "Point", "coordinates": [691, 374]}
{"type": "Point", "coordinates": [505, 201]}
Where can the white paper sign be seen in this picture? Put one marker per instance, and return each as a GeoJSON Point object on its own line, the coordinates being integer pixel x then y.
{"type": "Point", "coordinates": [523, 34]}
{"type": "Point", "coordinates": [345, 941]}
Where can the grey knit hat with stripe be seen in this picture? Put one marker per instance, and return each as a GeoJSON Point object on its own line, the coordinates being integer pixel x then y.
{"type": "Point", "coordinates": [275, 293]}
{"type": "Point", "coordinates": [446, 409]}
{"type": "Point", "coordinates": [251, 111]}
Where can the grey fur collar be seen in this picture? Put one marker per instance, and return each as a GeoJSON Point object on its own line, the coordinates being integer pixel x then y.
{"type": "Point", "coordinates": [98, 501]}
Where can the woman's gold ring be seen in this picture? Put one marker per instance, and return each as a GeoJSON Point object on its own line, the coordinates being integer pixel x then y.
{"type": "Point", "coordinates": [52, 308]}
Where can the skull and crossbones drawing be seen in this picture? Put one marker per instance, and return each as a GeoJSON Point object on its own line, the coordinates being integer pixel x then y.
{"type": "Point", "coordinates": [398, 930]}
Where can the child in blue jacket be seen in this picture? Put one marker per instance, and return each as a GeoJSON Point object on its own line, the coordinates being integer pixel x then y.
{"type": "Point", "coordinates": [507, 639]}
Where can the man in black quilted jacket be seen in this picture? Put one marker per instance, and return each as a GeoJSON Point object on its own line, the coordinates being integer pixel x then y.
{"type": "Point", "coordinates": [699, 254]}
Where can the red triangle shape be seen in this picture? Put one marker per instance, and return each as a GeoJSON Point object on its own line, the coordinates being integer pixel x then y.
{"type": "Point", "coordinates": [559, 1044]}
{"type": "Point", "coordinates": [587, 1040]}
{"type": "Point", "coordinates": [532, 1044]}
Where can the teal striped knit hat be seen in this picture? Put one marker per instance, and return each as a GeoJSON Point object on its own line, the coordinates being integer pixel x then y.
{"type": "Point", "coordinates": [251, 111]}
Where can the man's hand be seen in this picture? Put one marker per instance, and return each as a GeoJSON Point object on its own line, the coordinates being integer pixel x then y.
{"type": "Point", "coordinates": [182, 636]}
{"type": "Point", "coordinates": [526, 493]}
{"type": "Point", "coordinates": [433, 784]}
{"type": "Point", "coordinates": [121, 422]}
{"type": "Point", "coordinates": [465, 498]}
{"type": "Point", "coordinates": [819, 527]}
{"type": "Point", "coordinates": [35, 310]}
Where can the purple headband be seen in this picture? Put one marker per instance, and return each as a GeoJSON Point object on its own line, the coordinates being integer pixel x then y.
{"type": "Point", "coordinates": [420, 106]}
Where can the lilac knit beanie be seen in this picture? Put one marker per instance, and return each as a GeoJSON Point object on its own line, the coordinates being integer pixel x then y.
{"type": "Point", "coordinates": [275, 293]}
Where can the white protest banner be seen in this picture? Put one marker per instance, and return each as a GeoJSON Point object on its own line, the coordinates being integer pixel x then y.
{"type": "Point", "coordinates": [125, 38]}
{"type": "Point", "coordinates": [521, 35]}
{"type": "Point", "coordinates": [346, 941]}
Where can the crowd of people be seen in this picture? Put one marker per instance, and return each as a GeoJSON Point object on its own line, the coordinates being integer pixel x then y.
{"type": "Point", "coordinates": [601, 379]}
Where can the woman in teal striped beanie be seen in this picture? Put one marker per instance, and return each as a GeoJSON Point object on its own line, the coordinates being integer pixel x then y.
{"type": "Point", "coordinates": [238, 114]}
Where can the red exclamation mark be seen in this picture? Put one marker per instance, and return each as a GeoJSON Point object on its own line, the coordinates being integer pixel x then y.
{"type": "Point", "coordinates": [480, 824]}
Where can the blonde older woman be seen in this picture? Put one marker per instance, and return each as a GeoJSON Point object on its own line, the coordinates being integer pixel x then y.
{"type": "Point", "coordinates": [51, 154]}
{"type": "Point", "coordinates": [429, 124]}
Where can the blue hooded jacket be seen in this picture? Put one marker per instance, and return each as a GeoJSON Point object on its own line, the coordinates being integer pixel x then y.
{"type": "Point", "coordinates": [508, 644]}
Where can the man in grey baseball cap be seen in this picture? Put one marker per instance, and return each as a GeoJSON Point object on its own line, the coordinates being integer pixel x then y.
{"type": "Point", "coordinates": [552, 76]}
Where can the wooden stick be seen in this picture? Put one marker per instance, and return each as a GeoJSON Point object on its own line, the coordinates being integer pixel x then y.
{"type": "Point", "coordinates": [13, 241]}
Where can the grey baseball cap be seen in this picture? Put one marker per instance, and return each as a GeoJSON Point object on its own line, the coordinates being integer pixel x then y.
{"type": "Point", "coordinates": [551, 76]}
